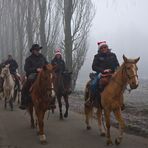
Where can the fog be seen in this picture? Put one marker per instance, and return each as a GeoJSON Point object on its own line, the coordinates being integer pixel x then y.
{"type": "Point", "coordinates": [124, 25]}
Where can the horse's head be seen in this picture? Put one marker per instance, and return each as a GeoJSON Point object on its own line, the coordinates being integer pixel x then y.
{"type": "Point", "coordinates": [131, 71]}
{"type": "Point", "coordinates": [5, 71]}
{"type": "Point", "coordinates": [47, 77]}
{"type": "Point", "coordinates": [47, 73]}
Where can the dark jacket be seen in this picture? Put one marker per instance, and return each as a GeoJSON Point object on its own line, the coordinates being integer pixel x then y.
{"type": "Point", "coordinates": [61, 64]}
{"type": "Point", "coordinates": [13, 65]}
{"type": "Point", "coordinates": [33, 62]}
{"type": "Point", "coordinates": [105, 61]}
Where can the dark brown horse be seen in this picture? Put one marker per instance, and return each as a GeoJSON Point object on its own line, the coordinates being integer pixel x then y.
{"type": "Point", "coordinates": [42, 94]}
{"type": "Point", "coordinates": [112, 97]}
{"type": "Point", "coordinates": [63, 89]}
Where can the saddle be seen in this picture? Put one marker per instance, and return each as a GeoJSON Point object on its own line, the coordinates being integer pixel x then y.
{"type": "Point", "coordinates": [105, 78]}
{"type": "Point", "coordinates": [98, 85]}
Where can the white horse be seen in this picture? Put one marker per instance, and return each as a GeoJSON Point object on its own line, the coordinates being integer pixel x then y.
{"type": "Point", "coordinates": [8, 86]}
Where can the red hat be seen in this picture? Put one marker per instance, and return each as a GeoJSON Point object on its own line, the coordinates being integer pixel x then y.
{"type": "Point", "coordinates": [102, 43]}
{"type": "Point", "coordinates": [58, 51]}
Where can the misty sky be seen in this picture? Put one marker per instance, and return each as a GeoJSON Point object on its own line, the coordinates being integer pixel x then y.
{"type": "Point", "coordinates": [124, 25]}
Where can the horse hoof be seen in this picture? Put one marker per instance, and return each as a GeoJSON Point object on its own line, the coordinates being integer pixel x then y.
{"type": "Point", "coordinates": [102, 134]}
{"type": "Point", "coordinates": [88, 128]}
{"type": "Point", "coordinates": [61, 117]}
{"type": "Point", "coordinates": [109, 142]}
{"type": "Point", "coordinates": [43, 139]}
{"type": "Point", "coordinates": [66, 115]}
{"type": "Point", "coordinates": [43, 142]}
{"type": "Point", "coordinates": [117, 141]}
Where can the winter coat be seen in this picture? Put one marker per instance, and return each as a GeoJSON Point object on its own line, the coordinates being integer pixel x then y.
{"type": "Point", "coordinates": [105, 61]}
{"type": "Point", "coordinates": [61, 64]}
{"type": "Point", "coordinates": [13, 65]}
{"type": "Point", "coordinates": [33, 62]}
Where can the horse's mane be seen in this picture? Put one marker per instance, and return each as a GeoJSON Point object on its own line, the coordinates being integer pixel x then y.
{"type": "Point", "coordinates": [120, 68]}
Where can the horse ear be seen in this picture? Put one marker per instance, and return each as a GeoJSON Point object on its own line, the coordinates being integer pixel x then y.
{"type": "Point", "coordinates": [8, 65]}
{"type": "Point", "coordinates": [125, 58]}
{"type": "Point", "coordinates": [136, 60]}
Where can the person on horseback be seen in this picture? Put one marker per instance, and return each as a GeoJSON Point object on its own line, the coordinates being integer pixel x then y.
{"type": "Point", "coordinates": [104, 62]}
{"type": "Point", "coordinates": [61, 68]}
{"type": "Point", "coordinates": [13, 66]}
{"type": "Point", "coordinates": [33, 65]}
{"type": "Point", "coordinates": [58, 60]}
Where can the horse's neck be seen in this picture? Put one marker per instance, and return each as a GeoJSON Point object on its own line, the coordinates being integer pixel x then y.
{"type": "Point", "coordinates": [118, 81]}
{"type": "Point", "coordinates": [9, 80]}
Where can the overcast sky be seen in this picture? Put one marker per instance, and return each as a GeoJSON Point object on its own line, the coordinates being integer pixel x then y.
{"type": "Point", "coordinates": [124, 25]}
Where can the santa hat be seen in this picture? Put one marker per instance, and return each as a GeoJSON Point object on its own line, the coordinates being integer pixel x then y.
{"type": "Point", "coordinates": [58, 51]}
{"type": "Point", "coordinates": [103, 43]}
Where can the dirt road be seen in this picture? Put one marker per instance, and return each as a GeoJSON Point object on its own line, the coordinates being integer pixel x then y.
{"type": "Point", "coordinates": [15, 132]}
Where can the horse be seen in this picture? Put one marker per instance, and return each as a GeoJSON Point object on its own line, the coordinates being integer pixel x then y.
{"type": "Point", "coordinates": [17, 88]}
{"type": "Point", "coordinates": [42, 94]}
{"type": "Point", "coordinates": [112, 98]}
{"type": "Point", "coordinates": [62, 89]}
{"type": "Point", "coordinates": [8, 86]}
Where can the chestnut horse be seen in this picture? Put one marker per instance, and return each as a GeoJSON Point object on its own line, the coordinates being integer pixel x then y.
{"type": "Point", "coordinates": [112, 97]}
{"type": "Point", "coordinates": [42, 94]}
{"type": "Point", "coordinates": [62, 89]}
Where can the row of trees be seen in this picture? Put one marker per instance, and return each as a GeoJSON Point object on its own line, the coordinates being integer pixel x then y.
{"type": "Point", "coordinates": [52, 24]}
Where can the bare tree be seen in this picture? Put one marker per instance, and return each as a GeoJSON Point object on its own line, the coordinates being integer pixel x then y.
{"type": "Point", "coordinates": [49, 25]}
{"type": "Point", "coordinates": [78, 16]}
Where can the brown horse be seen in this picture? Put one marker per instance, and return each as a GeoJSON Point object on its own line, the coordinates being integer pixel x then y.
{"type": "Point", "coordinates": [112, 97]}
{"type": "Point", "coordinates": [62, 89]}
{"type": "Point", "coordinates": [42, 94]}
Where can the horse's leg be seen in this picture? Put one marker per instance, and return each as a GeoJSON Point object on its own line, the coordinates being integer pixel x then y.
{"type": "Point", "coordinates": [30, 110]}
{"type": "Point", "coordinates": [67, 105]}
{"type": "Point", "coordinates": [88, 115]}
{"type": "Point", "coordinates": [40, 116]}
{"type": "Point", "coordinates": [99, 113]}
{"type": "Point", "coordinates": [5, 103]}
{"type": "Point", "coordinates": [15, 95]}
{"type": "Point", "coordinates": [107, 118]}
{"type": "Point", "coordinates": [60, 106]}
{"type": "Point", "coordinates": [119, 118]}
{"type": "Point", "coordinates": [11, 103]}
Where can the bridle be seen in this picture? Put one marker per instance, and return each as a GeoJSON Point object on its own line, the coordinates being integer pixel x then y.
{"type": "Point", "coordinates": [129, 76]}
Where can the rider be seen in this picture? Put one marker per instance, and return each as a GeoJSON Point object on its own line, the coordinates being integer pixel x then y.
{"type": "Point", "coordinates": [104, 61]}
{"type": "Point", "coordinates": [58, 60]}
{"type": "Point", "coordinates": [61, 68]}
{"type": "Point", "coordinates": [33, 65]}
{"type": "Point", "coordinates": [13, 66]}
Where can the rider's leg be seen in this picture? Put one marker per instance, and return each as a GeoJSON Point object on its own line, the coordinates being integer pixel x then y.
{"type": "Point", "coordinates": [93, 88]}
{"type": "Point", "coordinates": [25, 94]}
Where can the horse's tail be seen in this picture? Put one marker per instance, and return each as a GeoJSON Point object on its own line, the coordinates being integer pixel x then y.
{"type": "Point", "coordinates": [87, 94]}
{"type": "Point", "coordinates": [87, 91]}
